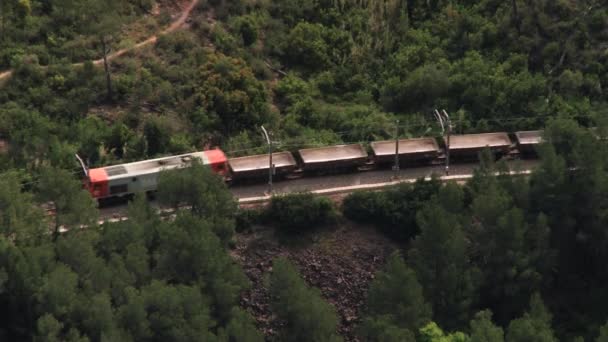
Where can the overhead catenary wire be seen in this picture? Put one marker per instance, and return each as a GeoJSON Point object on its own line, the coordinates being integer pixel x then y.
{"type": "Point", "coordinates": [288, 144]}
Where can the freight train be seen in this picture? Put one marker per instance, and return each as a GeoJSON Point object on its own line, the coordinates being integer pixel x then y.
{"type": "Point", "coordinates": [142, 176]}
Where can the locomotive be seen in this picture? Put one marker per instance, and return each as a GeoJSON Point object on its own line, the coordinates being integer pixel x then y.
{"type": "Point", "coordinates": [142, 176]}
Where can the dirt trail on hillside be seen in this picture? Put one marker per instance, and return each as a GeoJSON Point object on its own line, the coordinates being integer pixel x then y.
{"type": "Point", "coordinates": [151, 40]}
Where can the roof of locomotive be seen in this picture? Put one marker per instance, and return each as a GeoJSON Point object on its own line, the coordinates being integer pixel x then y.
{"type": "Point", "coordinates": [472, 141]}
{"type": "Point", "coordinates": [529, 137]}
{"type": "Point", "coordinates": [260, 162]}
{"type": "Point", "coordinates": [156, 165]}
{"type": "Point", "coordinates": [332, 153]}
{"type": "Point", "coordinates": [416, 145]}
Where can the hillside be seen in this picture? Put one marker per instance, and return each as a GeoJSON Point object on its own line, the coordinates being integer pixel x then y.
{"type": "Point", "coordinates": [496, 259]}
{"type": "Point", "coordinates": [314, 72]}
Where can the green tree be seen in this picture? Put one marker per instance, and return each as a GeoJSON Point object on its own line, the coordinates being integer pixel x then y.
{"type": "Point", "coordinates": [20, 219]}
{"type": "Point", "coordinates": [483, 330]}
{"type": "Point", "coordinates": [157, 136]}
{"type": "Point", "coordinates": [306, 315]}
{"type": "Point", "coordinates": [242, 328]}
{"type": "Point", "coordinates": [29, 133]}
{"type": "Point", "coordinates": [132, 315]}
{"type": "Point", "coordinates": [395, 299]}
{"type": "Point", "coordinates": [248, 30]}
{"type": "Point", "coordinates": [58, 292]}
{"type": "Point", "coordinates": [382, 329]}
{"type": "Point", "coordinates": [72, 205]}
{"type": "Point", "coordinates": [189, 319]}
{"type": "Point", "coordinates": [229, 90]}
{"type": "Point", "coordinates": [205, 192]}
{"type": "Point", "coordinates": [506, 248]}
{"type": "Point", "coordinates": [534, 325]}
{"type": "Point", "coordinates": [48, 329]}
{"type": "Point", "coordinates": [440, 257]}
{"type": "Point", "coordinates": [433, 333]}
{"type": "Point", "coordinates": [92, 132]}
{"type": "Point", "coordinates": [307, 46]}
{"type": "Point", "coordinates": [190, 253]}
{"type": "Point", "coordinates": [603, 336]}
{"type": "Point", "coordinates": [104, 18]}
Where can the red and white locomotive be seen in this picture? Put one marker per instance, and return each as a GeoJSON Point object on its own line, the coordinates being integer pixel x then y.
{"type": "Point", "coordinates": [142, 176]}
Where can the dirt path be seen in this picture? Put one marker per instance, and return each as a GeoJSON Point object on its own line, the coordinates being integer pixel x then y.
{"type": "Point", "coordinates": [151, 40]}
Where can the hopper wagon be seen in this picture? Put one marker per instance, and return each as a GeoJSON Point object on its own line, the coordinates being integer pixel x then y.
{"type": "Point", "coordinates": [410, 150]}
{"type": "Point", "coordinates": [468, 146]}
{"type": "Point", "coordinates": [257, 166]}
{"type": "Point", "coordinates": [527, 141]}
{"type": "Point", "coordinates": [328, 158]}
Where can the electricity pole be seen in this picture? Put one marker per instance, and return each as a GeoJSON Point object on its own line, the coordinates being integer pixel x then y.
{"type": "Point", "coordinates": [444, 120]}
{"type": "Point", "coordinates": [396, 166]}
{"type": "Point", "coordinates": [447, 159]}
{"type": "Point", "coordinates": [270, 164]}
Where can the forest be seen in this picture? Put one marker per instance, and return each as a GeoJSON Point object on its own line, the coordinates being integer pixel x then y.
{"type": "Point", "coordinates": [501, 258]}
{"type": "Point", "coordinates": [314, 72]}
{"type": "Point", "coordinates": [498, 259]}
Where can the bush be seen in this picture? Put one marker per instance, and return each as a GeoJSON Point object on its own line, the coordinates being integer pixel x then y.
{"type": "Point", "coordinates": [394, 210]}
{"type": "Point", "coordinates": [248, 30]}
{"type": "Point", "coordinates": [295, 213]}
{"type": "Point", "coordinates": [246, 218]}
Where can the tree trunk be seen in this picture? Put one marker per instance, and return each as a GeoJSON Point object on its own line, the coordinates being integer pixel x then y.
{"type": "Point", "coordinates": [516, 16]}
{"type": "Point", "coordinates": [106, 67]}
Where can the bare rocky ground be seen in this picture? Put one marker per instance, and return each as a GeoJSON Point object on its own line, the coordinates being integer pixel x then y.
{"type": "Point", "coordinates": [340, 261]}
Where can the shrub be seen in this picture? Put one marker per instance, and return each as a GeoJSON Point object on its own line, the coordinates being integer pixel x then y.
{"type": "Point", "coordinates": [393, 211]}
{"type": "Point", "coordinates": [246, 218]}
{"type": "Point", "coordinates": [300, 212]}
{"type": "Point", "coordinates": [248, 30]}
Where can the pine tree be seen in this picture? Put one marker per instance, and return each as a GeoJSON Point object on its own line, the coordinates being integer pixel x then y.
{"type": "Point", "coordinates": [507, 249]}
{"type": "Point", "coordinates": [440, 257]}
{"type": "Point", "coordinates": [72, 205]}
{"type": "Point", "coordinates": [306, 316]}
{"type": "Point", "coordinates": [483, 330]}
{"type": "Point", "coordinates": [395, 300]}
{"type": "Point", "coordinates": [382, 329]}
{"type": "Point", "coordinates": [603, 336]}
{"type": "Point", "coordinates": [205, 192]}
{"type": "Point", "coordinates": [533, 326]}
{"type": "Point", "coordinates": [19, 217]}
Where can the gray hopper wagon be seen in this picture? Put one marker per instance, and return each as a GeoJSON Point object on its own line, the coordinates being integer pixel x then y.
{"type": "Point", "coordinates": [410, 150]}
{"type": "Point", "coordinates": [333, 157]}
{"type": "Point", "coordinates": [257, 166]}
{"type": "Point", "coordinates": [528, 140]}
{"type": "Point", "coordinates": [469, 145]}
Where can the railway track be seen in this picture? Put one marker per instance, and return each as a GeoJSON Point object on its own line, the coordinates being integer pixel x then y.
{"type": "Point", "coordinates": [336, 184]}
